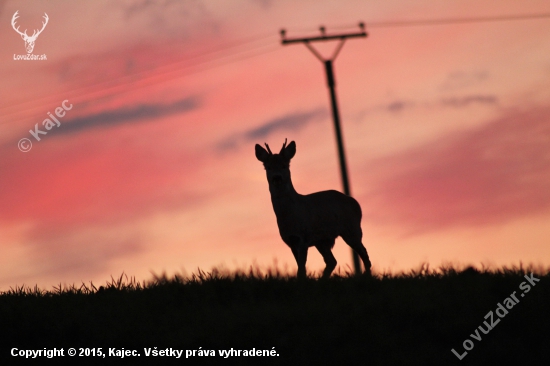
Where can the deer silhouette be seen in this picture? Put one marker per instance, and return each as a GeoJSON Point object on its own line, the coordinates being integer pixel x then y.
{"type": "Point", "coordinates": [315, 219]}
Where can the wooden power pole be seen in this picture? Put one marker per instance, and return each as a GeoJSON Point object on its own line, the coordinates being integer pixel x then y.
{"type": "Point", "coordinates": [331, 85]}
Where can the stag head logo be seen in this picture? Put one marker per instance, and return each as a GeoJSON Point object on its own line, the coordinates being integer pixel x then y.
{"type": "Point", "coordinates": [29, 40]}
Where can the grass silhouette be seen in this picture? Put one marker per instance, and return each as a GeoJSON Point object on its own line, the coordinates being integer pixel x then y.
{"type": "Point", "coordinates": [415, 317]}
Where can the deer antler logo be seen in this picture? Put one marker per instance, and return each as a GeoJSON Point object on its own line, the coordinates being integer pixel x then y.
{"type": "Point", "coordinates": [29, 41]}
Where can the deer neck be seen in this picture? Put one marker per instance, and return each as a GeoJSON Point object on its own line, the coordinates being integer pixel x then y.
{"type": "Point", "coordinates": [283, 197]}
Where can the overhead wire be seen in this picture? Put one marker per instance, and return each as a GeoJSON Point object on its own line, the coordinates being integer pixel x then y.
{"type": "Point", "coordinates": [163, 73]}
{"type": "Point", "coordinates": [174, 70]}
{"type": "Point", "coordinates": [445, 21]}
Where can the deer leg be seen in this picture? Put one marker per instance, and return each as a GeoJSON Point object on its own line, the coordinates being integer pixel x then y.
{"type": "Point", "coordinates": [354, 241]}
{"type": "Point", "coordinates": [328, 257]}
{"type": "Point", "coordinates": [300, 254]}
{"type": "Point", "coordinates": [362, 251]}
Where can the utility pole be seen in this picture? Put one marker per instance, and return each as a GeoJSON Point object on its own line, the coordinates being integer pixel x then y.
{"type": "Point", "coordinates": [331, 85]}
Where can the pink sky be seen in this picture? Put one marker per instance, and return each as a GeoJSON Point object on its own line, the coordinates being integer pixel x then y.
{"type": "Point", "coordinates": [446, 127]}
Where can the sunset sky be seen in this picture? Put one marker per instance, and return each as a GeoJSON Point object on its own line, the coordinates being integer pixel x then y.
{"type": "Point", "coordinates": [446, 128]}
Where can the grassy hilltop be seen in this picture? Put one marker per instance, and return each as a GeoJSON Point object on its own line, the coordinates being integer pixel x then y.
{"type": "Point", "coordinates": [413, 318]}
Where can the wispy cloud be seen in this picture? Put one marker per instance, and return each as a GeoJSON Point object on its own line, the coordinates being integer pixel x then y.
{"type": "Point", "coordinates": [171, 18]}
{"type": "Point", "coordinates": [140, 113]}
{"type": "Point", "coordinates": [490, 175]}
{"type": "Point", "coordinates": [69, 252]}
{"type": "Point", "coordinates": [468, 100]}
{"type": "Point", "coordinates": [289, 122]}
{"type": "Point", "coordinates": [399, 105]}
{"type": "Point", "coordinates": [461, 79]}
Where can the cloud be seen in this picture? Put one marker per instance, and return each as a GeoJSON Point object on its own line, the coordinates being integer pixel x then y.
{"type": "Point", "coordinates": [65, 254]}
{"type": "Point", "coordinates": [140, 113]}
{"type": "Point", "coordinates": [96, 179]}
{"type": "Point", "coordinates": [74, 253]}
{"type": "Point", "coordinates": [174, 19]}
{"type": "Point", "coordinates": [80, 202]}
{"type": "Point", "coordinates": [491, 175]}
{"type": "Point", "coordinates": [398, 106]}
{"type": "Point", "coordinates": [164, 8]}
{"type": "Point", "coordinates": [265, 4]}
{"type": "Point", "coordinates": [460, 79]}
{"type": "Point", "coordinates": [289, 122]}
{"type": "Point", "coordinates": [467, 100]}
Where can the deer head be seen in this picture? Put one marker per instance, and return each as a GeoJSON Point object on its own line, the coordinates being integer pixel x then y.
{"type": "Point", "coordinates": [29, 41]}
{"type": "Point", "coordinates": [277, 166]}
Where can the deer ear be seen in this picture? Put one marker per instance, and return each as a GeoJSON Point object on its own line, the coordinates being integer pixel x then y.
{"type": "Point", "coordinates": [261, 153]}
{"type": "Point", "coordinates": [289, 151]}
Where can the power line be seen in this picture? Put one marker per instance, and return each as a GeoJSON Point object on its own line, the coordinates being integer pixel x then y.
{"type": "Point", "coordinates": [175, 66]}
{"type": "Point", "coordinates": [161, 74]}
{"type": "Point", "coordinates": [149, 79]}
{"type": "Point", "coordinates": [437, 21]}
{"type": "Point", "coordinates": [444, 21]}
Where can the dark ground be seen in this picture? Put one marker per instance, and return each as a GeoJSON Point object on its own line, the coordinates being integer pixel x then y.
{"type": "Point", "coordinates": [407, 319]}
